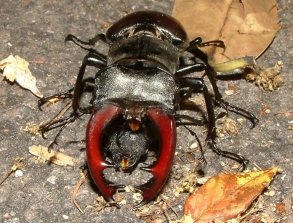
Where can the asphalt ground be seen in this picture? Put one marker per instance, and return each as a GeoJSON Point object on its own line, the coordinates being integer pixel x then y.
{"type": "Point", "coordinates": [35, 30]}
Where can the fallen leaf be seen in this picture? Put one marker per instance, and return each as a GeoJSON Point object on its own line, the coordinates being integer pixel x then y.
{"type": "Point", "coordinates": [16, 69]}
{"type": "Point", "coordinates": [55, 157]}
{"type": "Point", "coordinates": [247, 27]}
{"type": "Point", "coordinates": [225, 196]}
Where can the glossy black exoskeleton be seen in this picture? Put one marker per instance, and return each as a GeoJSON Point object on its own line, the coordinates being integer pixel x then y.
{"type": "Point", "coordinates": [138, 90]}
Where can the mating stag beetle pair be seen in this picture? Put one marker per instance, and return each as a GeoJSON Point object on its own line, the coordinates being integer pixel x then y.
{"type": "Point", "coordinates": [138, 89]}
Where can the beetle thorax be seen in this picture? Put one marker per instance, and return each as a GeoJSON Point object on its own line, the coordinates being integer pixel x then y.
{"type": "Point", "coordinates": [125, 87]}
{"type": "Point", "coordinates": [145, 48]}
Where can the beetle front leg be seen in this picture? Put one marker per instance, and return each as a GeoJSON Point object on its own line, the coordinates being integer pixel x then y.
{"type": "Point", "coordinates": [82, 43]}
{"type": "Point", "coordinates": [91, 59]}
{"type": "Point", "coordinates": [197, 42]}
{"type": "Point", "coordinates": [55, 97]}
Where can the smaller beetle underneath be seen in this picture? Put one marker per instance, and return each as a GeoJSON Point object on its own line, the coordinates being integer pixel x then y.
{"type": "Point", "coordinates": [138, 89]}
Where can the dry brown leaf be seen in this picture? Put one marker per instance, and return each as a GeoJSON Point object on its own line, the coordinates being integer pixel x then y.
{"type": "Point", "coordinates": [247, 27]}
{"type": "Point", "coordinates": [16, 69]}
{"type": "Point", "coordinates": [225, 196]}
{"type": "Point", "coordinates": [55, 157]}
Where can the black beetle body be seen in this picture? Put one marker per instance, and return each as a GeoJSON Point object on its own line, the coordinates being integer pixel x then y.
{"type": "Point", "coordinates": [137, 93]}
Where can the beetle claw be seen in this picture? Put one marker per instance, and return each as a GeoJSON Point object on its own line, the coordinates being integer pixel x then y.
{"type": "Point", "coordinates": [96, 161]}
{"type": "Point", "coordinates": [153, 186]}
{"type": "Point", "coordinates": [161, 168]}
{"type": "Point", "coordinates": [117, 186]}
{"type": "Point", "coordinates": [106, 187]}
{"type": "Point", "coordinates": [148, 192]}
{"type": "Point", "coordinates": [111, 190]}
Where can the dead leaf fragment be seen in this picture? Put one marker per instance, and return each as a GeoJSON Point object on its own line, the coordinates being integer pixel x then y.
{"type": "Point", "coordinates": [188, 184]}
{"type": "Point", "coordinates": [16, 69]}
{"type": "Point", "coordinates": [280, 208]}
{"type": "Point", "coordinates": [55, 157]}
{"type": "Point", "coordinates": [233, 66]}
{"type": "Point", "coordinates": [226, 195]}
{"type": "Point", "coordinates": [33, 129]}
{"type": "Point", "coordinates": [267, 79]}
{"type": "Point", "coordinates": [227, 126]}
{"type": "Point", "coordinates": [247, 27]}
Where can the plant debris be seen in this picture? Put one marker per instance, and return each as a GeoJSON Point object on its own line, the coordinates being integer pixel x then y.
{"type": "Point", "coordinates": [78, 185]}
{"type": "Point", "coordinates": [17, 164]}
{"type": "Point", "coordinates": [16, 69]}
{"type": "Point", "coordinates": [36, 129]}
{"type": "Point", "coordinates": [55, 157]}
{"type": "Point", "coordinates": [227, 126]}
{"type": "Point", "coordinates": [264, 110]}
{"type": "Point", "coordinates": [188, 184]}
{"type": "Point", "coordinates": [267, 79]}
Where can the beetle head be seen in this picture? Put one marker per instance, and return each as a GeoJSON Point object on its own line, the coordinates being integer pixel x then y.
{"type": "Point", "coordinates": [127, 148]}
{"type": "Point", "coordinates": [134, 116]}
{"type": "Point", "coordinates": [102, 121]}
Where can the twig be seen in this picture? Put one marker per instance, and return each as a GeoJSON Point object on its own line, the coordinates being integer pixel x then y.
{"type": "Point", "coordinates": [17, 164]}
{"type": "Point", "coordinates": [78, 185]}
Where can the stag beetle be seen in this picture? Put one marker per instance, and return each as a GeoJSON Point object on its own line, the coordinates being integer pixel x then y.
{"type": "Point", "coordinates": [138, 90]}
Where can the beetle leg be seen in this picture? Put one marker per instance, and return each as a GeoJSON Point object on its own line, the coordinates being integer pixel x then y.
{"type": "Point", "coordinates": [91, 59]}
{"type": "Point", "coordinates": [60, 120]}
{"type": "Point", "coordinates": [211, 74]}
{"type": "Point", "coordinates": [197, 42]}
{"type": "Point", "coordinates": [225, 104]}
{"type": "Point", "coordinates": [161, 168]}
{"type": "Point", "coordinates": [96, 161]}
{"type": "Point", "coordinates": [91, 42]}
{"type": "Point", "coordinates": [218, 97]}
{"type": "Point", "coordinates": [54, 97]}
{"type": "Point", "coordinates": [64, 122]}
{"type": "Point", "coordinates": [201, 158]}
{"type": "Point", "coordinates": [199, 83]}
{"type": "Point", "coordinates": [197, 67]}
